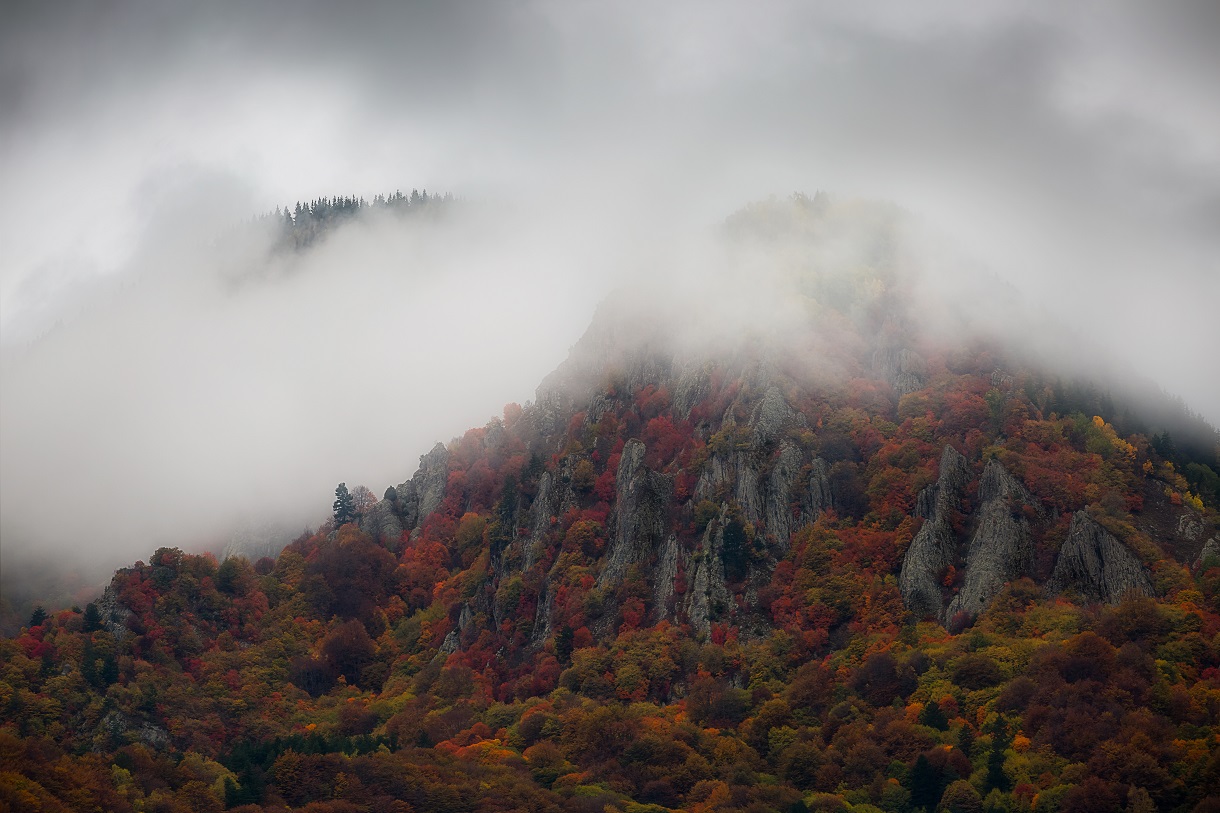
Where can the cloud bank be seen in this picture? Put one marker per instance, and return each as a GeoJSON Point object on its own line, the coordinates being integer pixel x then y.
{"type": "Point", "coordinates": [1070, 149]}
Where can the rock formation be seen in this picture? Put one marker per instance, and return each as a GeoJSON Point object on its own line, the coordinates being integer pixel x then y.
{"type": "Point", "coordinates": [932, 550]}
{"type": "Point", "coordinates": [1001, 548]}
{"type": "Point", "coordinates": [1096, 566]}
{"type": "Point", "coordinates": [640, 508]}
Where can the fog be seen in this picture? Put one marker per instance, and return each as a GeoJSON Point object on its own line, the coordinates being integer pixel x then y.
{"type": "Point", "coordinates": [165, 374]}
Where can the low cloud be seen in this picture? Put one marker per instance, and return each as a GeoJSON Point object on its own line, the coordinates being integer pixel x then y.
{"type": "Point", "coordinates": [1070, 150]}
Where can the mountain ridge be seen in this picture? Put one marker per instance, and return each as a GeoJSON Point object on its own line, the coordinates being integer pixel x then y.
{"type": "Point", "coordinates": [848, 565]}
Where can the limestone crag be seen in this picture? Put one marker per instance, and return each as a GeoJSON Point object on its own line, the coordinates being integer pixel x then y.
{"type": "Point", "coordinates": [405, 507]}
{"type": "Point", "coordinates": [1095, 565]}
{"type": "Point", "coordinates": [663, 578]}
{"type": "Point", "coordinates": [113, 614]}
{"type": "Point", "coordinates": [771, 417]}
{"type": "Point", "coordinates": [903, 368]}
{"type": "Point", "coordinates": [640, 508]}
{"type": "Point", "coordinates": [1001, 548]}
{"type": "Point", "coordinates": [1190, 526]}
{"type": "Point", "coordinates": [382, 522]}
{"type": "Point", "coordinates": [819, 496]}
{"type": "Point", "coordinates": [933, 548]}
{"type": "Point", "coordinates": [1211, 550]}
{"type": "Point", "coordinates": [693, 385]}
{"type": "Point", "coordinates": [540, 518]}
{"type": "Point", "coordinates": [781, 485]}
{"type": "Point", "coordinates": [709, 597]}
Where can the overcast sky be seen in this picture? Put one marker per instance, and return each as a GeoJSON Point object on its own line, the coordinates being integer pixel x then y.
{"type": "Point", "coordinates": [1072, 147]}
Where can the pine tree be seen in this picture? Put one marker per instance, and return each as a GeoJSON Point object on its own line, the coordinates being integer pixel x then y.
{"type": "Point", "coordinates": [345, 506]}
{"type": "Point", "coordinates": [933, 717]}
{"type": "Point", "coordinates": [93, 618]}
{"type": "Point", "coordinates": [924, 784]}
{"type": "Point", "coordinates": [965, 741]}
{"type": "Point", "coordinates": [1000, 740]}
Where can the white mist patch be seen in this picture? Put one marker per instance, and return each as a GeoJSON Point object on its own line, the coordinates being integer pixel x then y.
{"type": "Point", "coordinates": [212, 384]}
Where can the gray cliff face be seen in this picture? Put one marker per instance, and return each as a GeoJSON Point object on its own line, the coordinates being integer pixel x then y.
{"type": "Point", "coordinates": [709, 597]}
{"type": "Point", "coordinates": [431, 479]}
{"type": "Point", "coordinates": [748, 493]}
{"type": "Point", "coordinates": [932, 550]}
{"type": "Point", "coordinates": [113, 614]}
{"type": "Point", "coordinates": [771, 417]}
{"type": "Point", "coordinates": [818, 497]}
{"type": "Point", "coordinates": [1097, 566]}
{"type": "Point", "coordinates": [733, 475]}
{"type": "Point", "coordinates": [118, 725]}
{"type": "Point", "coordinates": [781, 486]}
{"type": "Point", "coordinates": [1211, 550]}
{"type": "Point", "coordinates": [1190, 526]}
{"type": "Point", "coordinates": [540, 518]}
{"type": "Point", "coordinates": [904, 369]}
{"type": "Point", "coordinates": [416, 499]}
{"type": "Point", "coordinates": [663, 577]}
{"type": "Point", "coordinates": [693, 385]}
{"type": "Point", "coordinates": [766, 498]}
{"type": "Point", "coordinates": [640, 509]}
{"type": "Point", "coordinates": [382, 523]}
{"type": "Point", "coordinates": [1001, 549]}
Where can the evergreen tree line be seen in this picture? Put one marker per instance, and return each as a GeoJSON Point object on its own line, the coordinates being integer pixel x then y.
{"type": "Point", "coordinates": [303, 224]}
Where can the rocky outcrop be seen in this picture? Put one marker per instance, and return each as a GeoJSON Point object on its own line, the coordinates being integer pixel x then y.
{"type": "Point", "coordinates": [771, 417]}
{"type": "Point", "coordinates": [1190, 526]}
{"type": "Point", "coordinates": [118, 726]}
{"type": "Point", "coordinates": [904, 369]}
{"type": "Point", "coordinates": [1096, 566]}
{"type": "Point", "coordinates": [932, 550]}
{"type": "Point", "coordinates": [113, 614]}
{"type": "Point", "coordinates": [383, 524]}
{"type": "Point", "coordinates": [422, 493]}
{"type": "Point", "coordinates": [708, 597]}
{"type": "Point", "coordinates": [819, 496]}
{"type": "Point", "coordinates": [693, 385]}
{"type": "Point", "coordinates": [640, 507]}
{"type": "Point", "coordinates": [781, 484]}
{"type": "Point", "coordinates": [663, 578]}
{"type": "Point", "coordinates": [1211, 550]}
{"type": "Point", "coordinates": [1001, 548]}
{"type": "Point", "coordinates": [540, 518]}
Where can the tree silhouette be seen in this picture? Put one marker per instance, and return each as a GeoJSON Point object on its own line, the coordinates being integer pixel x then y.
{"type": "Point", "coordinates": [345, 506]}
{"type": "Point", "coordinates": [93, 618]}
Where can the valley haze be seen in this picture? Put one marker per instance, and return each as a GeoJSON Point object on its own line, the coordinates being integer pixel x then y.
{"type": "Point", "coordinates": [166, 373]}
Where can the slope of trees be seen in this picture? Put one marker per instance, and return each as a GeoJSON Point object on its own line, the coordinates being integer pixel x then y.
{"type": "Point", "coordinates": [342, 678]}
{"type": "Point", "coordinates": [482, 661]}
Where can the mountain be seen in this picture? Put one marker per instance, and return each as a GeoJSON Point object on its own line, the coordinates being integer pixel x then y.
{"type": "Point", "coordinates": [844, 537]}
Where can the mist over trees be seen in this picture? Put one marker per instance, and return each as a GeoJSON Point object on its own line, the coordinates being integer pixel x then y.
{"type": "Point", "coordinates": [300, 226]}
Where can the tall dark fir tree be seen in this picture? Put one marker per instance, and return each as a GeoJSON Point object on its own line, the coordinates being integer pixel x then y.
{"type": "Point", "coordinates": [345, 506]}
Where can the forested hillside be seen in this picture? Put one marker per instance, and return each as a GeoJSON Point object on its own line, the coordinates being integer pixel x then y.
{"type": "Point", "coordinates": [844, 558]}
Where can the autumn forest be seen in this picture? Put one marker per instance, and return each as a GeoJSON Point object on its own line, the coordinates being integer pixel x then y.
{"type": "Point", "coordinates": [867, 568]}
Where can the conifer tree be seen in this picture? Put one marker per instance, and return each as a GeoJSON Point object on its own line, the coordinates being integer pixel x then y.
{"type": "Point", "coordinates": [345, 506]}
{"type": "Point", "coordinates": [93, 618]}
